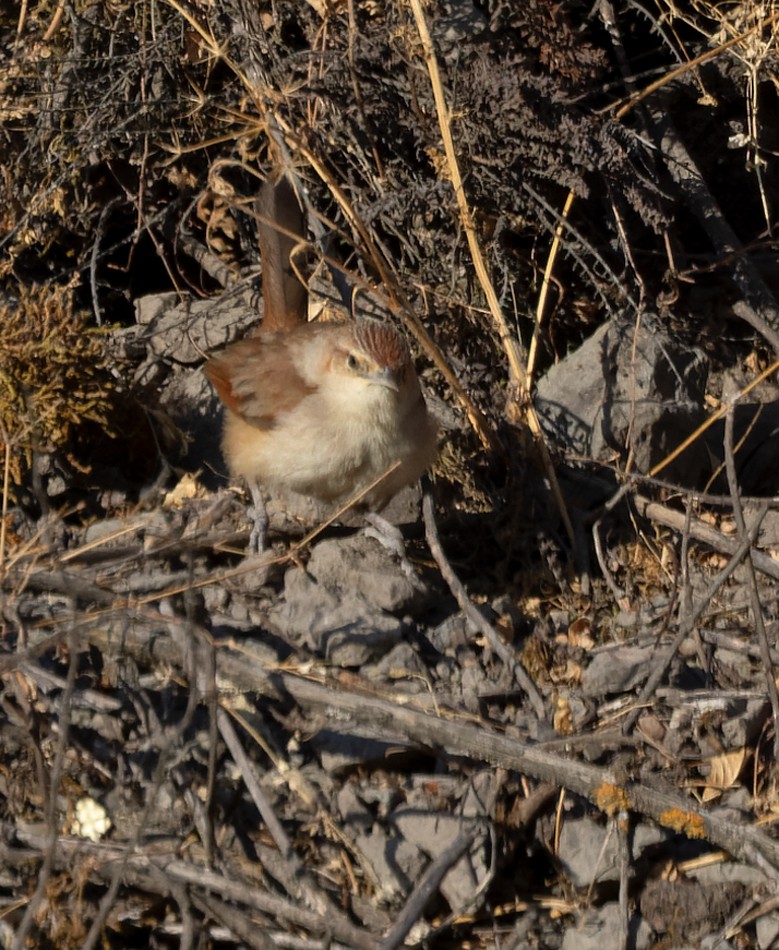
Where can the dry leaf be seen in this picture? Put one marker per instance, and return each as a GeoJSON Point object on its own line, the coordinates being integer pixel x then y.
{"type": "Point", "coordinates": [725, 769]}
{"type": "Point", "coordinates": [187, 488]}
{"type": "Point", "coordinates": [561, 718]}
{"type": "Point", "coordinates": [579, 634]}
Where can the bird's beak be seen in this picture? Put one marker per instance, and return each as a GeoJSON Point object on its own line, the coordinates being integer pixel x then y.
{"type": "Point", "coordinates": [385, 377]}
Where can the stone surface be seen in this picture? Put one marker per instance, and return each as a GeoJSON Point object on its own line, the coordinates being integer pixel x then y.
{"type": "Point", "coordinates": [617, 670]}
{"type": "Point", "coordinates": [341, 627]}
{"type": "Point", "coordinates": [627, 388]}
{"type": "Point", "coordinates": [588, 849]}
{"type": "Point", "coordinates": [395, 864]}
{"type": "Point", "coordinates": [767, 932]}
{"type": "Point", "coordinates": [598, 928]}
{"type": "Point", "coordinates": [185, 330]}
{"type": "Point", "coordinates": [368, 570]}
{"type": "Point", "coordinates": [433, 833]}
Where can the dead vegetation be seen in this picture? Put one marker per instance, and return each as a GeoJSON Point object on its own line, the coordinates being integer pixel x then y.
{"type": "Point", "coordinates": [569, 706]}
{"type": "Point", "coordinates": [55, 377]}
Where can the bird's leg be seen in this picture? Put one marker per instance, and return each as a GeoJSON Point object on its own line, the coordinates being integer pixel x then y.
{"type": "Point", "coordinates": [259, 515]}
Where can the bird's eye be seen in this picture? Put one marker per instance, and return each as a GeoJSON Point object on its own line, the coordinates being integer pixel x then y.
{"type": "Point", "coordinates": [351, 361]}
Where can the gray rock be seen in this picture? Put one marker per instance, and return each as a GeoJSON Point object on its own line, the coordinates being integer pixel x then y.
{"type": "Point", "coordinates": [588, 850]}
{"type": "Point", "coordinates": [339, 607]}
{"type": "Point", "coordinates": [729, 872]}
{"type": "Point", "coordinates": [628, 619]}
{"type": "Point", "coordinates": [338, 751]}
{"type": "Point", "coordinates": [99, 530]}
{"type": "Point", "coordinates": [579, 711]}
{"type": "Point", "coordinates": [186, 330]}
{"type": "Point", "coordinates": [601, 927]}
{"type": "Point", "coordinates": [395, 864]}
{"type": "Point", "coordinates": [152, 526]}
{"type": "Point", "coordinates": [366, 909]}
{"type": "Point", "coordinates": [177, 334]}
{"type": "Point", "coordinates": [767, 932]}
{"type": "Point", "coordinates": [382, 797]}
{"type": "Point", "coordinates": [450, 635]}
{"type": "Point", "coordinates": [401, 663]}
{"type": "Point", "coordinates": [433, 833]}
{"type": "Point", "coordinates": [641, 390]}
{"type": "Point", "coordinates": [352, 808]}
{"type": "Point", "coordinates": [617, 670]}
{"type": "Point", "coordinates": [686, 910]}
{"type": "Point", "coordinates": [337, 623]}
{"type": "Point", "coordinates": [738, 665]}
{"type": "Point", "coordinates": [362, 565]}
{"type": "Point", "coordinates": [628, 388]}
{"type": "Point", "coordinates": [743, 722]}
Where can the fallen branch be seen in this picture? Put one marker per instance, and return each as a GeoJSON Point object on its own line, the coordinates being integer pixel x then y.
{"type": "Point", "coordinates": [346, 700]}
{"type": "Point", "coordinates": [699, 531]}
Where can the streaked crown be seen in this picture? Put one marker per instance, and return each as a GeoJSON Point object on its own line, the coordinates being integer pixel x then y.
{"type": "Point", "coordinates": [384, 344]}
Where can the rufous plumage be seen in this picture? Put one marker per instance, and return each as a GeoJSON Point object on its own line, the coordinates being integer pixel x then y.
{"type": "Point", "coordinates": [322, 409]}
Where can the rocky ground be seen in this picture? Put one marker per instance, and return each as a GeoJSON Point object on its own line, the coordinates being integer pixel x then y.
{"type": "Point", "coordinates": [553, 723]}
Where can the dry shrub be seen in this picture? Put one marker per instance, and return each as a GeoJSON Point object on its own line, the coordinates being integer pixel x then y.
{"type": "Point", "coordinates": [54, 375]}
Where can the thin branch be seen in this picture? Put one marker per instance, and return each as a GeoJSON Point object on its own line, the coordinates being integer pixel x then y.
{"type": "Point", "coordinates": [475, 616]}
{"type": "Point", "coordinates": [517, 372]}
{"type": "Point", "coordinates": [754, 596]}
{"type": "Point", "coordinates": [427, 888]}
{"type": "Point", "coordinates": [51, 795]}
{"type": "Point", "coordinates": [662, 665]}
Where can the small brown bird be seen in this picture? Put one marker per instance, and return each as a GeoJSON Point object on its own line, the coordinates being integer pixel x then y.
{"type": "Point", "coordinates": [320, 409]}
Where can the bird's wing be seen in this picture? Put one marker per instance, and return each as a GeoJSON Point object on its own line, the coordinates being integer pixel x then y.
{"type": "Point", "coordinates": [257, 380]}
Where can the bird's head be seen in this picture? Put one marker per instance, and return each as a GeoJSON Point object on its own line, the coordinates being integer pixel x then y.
{"type": "Point", "coordinates": [375, 360]}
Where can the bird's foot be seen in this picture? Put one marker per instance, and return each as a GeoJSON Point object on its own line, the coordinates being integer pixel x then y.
{"type": "Point", "coordinates": [259, 534]}
{"type": "Point", "coordinates": [390, 538]}
{"type": "Point", "coordinates": [259, 516]}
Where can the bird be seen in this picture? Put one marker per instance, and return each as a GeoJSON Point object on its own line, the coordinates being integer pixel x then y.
{"type": "Point", "coordinates": [321, 409]}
